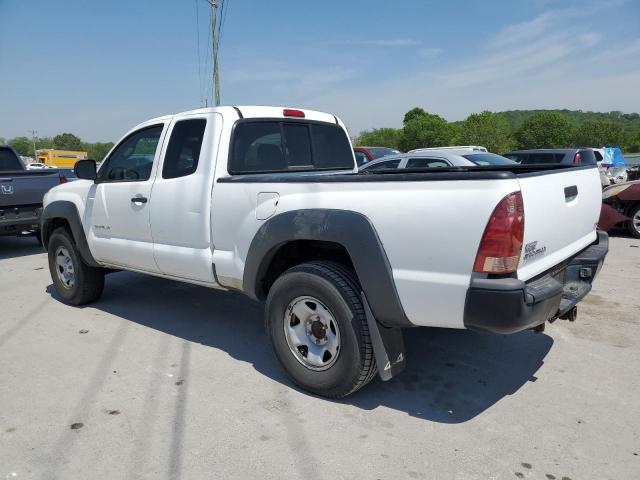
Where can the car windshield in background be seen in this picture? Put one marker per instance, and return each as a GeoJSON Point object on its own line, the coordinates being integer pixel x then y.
{"type": "Point", "coordinates": [8, 161]}
{"type": "Point", "coordinates": [379, 152]}
{"type": "Point", "coordinates": [484, 159]}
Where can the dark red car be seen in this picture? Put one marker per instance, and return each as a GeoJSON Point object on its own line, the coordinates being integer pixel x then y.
{"type": "Point", "coordinates": [367, 154]}
{"type": "Point", "coordinates": [621, 204]}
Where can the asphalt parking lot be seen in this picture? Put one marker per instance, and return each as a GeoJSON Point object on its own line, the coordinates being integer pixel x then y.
{"type": "Point", "coordinates": [165, 380]}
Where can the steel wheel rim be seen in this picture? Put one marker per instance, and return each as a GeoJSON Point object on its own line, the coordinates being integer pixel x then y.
{"type": "Point", "coordinates": [312, 333]}
{"type": "Point", "coordinates": [636, 221]}
{"type": "Point", "coordinates": [64, 268]}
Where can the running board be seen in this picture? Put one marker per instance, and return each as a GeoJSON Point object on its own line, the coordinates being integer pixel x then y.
{"type": "Point", "coordinates": [388, 345]}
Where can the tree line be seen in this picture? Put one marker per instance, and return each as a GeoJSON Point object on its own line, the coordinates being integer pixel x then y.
{"type": "Point", "coordinates": [64, 141]}
{"type": "Point", "coordinates": [501, 132]}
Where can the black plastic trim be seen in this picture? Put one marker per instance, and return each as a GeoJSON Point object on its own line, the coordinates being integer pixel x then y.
{"type": "Point", "coordinates": [508, 305]}
{"type": "Point", "coordinates": [350, 229]}
{"type": "Point", "coordinates": [67, 211]}
{"type": "Point", "coordinates": [238, 112]}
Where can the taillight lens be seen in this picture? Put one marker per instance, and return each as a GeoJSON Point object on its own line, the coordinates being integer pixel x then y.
{"type": "Point", "coordinates": [501, 244]}
{"type": "Point", "coordinates": [577, 160]}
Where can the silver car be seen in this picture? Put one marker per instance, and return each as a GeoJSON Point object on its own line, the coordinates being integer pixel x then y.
{"type": "Point", "coordinates": [437, 159]}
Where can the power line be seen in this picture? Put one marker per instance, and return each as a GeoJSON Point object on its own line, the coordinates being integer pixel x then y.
{"type": "Point", "coordinates": [200, 92]}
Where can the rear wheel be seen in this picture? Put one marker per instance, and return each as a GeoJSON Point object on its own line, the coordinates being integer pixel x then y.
{"type": "Point", "coordinates": [634, 224]}
{"type": "Point", "coordinates": [318, 329]}
{"type": "Point", "coordinates": [76, 282]}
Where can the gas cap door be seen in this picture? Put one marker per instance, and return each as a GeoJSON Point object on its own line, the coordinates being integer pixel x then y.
{"type": "Point", "coordinates": [267, 205]}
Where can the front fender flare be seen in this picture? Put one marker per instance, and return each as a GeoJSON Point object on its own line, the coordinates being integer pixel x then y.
{"type": "Point", "coordinates": [61, 209]}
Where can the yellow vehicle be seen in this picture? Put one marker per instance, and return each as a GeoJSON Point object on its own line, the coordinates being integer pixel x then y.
{"type": "Point", "coordinates": [60, 158]}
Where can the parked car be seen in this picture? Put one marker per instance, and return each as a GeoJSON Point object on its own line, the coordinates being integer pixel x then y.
{"type": "Point", "coordinates": [433, 158]}
{"type": "Point", "coordinates": [267, 201]}
{"type": "Point", "coordinates": [35, 166]}
{"type": "Point", "coordinates": [21, 193]}
{"type": "Point", "coordinates": [453, 149]}
{"type": "Point", "coordinates": [621, 206]}
{"type": "Point", "coordinates": [368, 154]}
{"type": "Point", "coordinates": [565, 156]}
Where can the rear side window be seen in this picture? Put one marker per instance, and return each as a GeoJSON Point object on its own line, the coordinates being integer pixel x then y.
{"type": "Point", "coordinates": [538, 158]}
{"type": "Point", "coordinates": [361, 158]}
{"type": "Point", "coordinates": [426, 163]}
{"type": "Point", "coordinates": [281, 146]}
{"type": "Point", "coordinates": [184, 147]}
{"type": "Point", "coordinates": [588, 157]}
{"type": "Point", "coordinates": [389, 165]}
{"type": "Point", "coordinates": [8, 160]}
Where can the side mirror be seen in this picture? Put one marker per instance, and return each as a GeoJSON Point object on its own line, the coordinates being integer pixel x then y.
{"type": "Point", "coordinates": [86, 169]}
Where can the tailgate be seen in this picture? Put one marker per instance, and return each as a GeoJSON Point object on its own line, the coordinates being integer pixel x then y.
{"type": "Point", "coordinates": [561, 210]}
{"type": "Point", "coordinates": [25, 188]}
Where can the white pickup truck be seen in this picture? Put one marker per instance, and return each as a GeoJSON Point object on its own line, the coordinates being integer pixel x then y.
{"type": "Point", "coordinates": [268, 201]}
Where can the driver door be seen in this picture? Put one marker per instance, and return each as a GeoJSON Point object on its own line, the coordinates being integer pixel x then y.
{"type": "Point", "coordinates": [120, 229]}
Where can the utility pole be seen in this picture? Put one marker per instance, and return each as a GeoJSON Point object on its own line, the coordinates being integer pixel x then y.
{"type": "Point", "coordinates": [33, 139]}
{"type": "Point", "coordinates": [216, 73]}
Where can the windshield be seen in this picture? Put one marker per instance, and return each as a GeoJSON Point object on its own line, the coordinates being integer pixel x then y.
{"type": "Point", "coordinates": [488, 159]}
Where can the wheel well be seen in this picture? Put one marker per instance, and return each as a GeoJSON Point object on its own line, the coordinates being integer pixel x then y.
{"type": "Point", "coordinates": [294, 253]}
{"type": "Point", "coordinates": [630, 206]}
{"type": "Point", "coordinates": [50, 225]}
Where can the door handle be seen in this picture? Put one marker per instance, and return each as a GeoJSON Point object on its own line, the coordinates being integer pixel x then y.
{"type": "Point", "coordinates": [570, 193]}
{"type": "Point", "coordinates": [139, 200]}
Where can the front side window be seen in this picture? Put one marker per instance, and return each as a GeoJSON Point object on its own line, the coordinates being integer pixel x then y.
{"type": "Point", "coordinates": [132, 160]}
{"type": "Point", "coordinates": [281, 146]}
{"type": "Point", "coordinates": [184, 147]}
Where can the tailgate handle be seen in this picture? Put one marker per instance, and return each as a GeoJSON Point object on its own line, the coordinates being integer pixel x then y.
{"type": "Point", "coordinates": [570, 193]}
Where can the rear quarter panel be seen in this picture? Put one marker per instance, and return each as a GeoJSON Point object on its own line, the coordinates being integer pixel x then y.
{"type": "Point", "coordinates": [430, 232]}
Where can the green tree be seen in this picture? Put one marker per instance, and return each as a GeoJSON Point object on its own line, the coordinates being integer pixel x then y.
{"type": "Point", "coordinates": [599, 133]}
{"type": "Point", "coordinates": [489, 130]}
{"type": "Point", "coordinates": [412, 114]}
{"type": "Point", "coordinates": [383, 137]}
{"type": "Point", "coordinates": [97, 151]}
{"type": "Point", "coordinates": [545, 130]}
{"type": "Point", "coordinates": [428, 130]}
{"type": "Point", "coordinates": [67, 141]}
{"type": "Point", "coordinates": [22, 145]}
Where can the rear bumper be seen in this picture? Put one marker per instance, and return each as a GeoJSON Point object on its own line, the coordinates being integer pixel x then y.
{"type": "Point", "coordinates": [14, 220]}
{"type": "Point", "coordinates": [509, 305]}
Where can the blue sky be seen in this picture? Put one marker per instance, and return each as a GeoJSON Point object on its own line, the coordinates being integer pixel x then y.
{"type": "Point", "coordinates": [97, 68]}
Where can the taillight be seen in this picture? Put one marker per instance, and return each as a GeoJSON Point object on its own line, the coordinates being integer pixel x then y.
{"type": "Point", "coordinates": [289, 112]}
{"type": "Point", "coordinates": [501, 243]}
{"type": "Point", "coordinates": [63, 179]}
{"type": "Point", "coordinates": [577, 160]}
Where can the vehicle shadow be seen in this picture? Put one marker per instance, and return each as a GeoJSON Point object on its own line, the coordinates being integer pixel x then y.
{"type": "Point", "coordinates": [452, 375]}
{"type": "Point", "coordinates": [13, 247]}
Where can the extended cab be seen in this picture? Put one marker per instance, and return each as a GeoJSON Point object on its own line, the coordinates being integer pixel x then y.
{"type": "Point", "coordinates": [268, 201]}
{"type": "Point", "coordinates": [21, 193]}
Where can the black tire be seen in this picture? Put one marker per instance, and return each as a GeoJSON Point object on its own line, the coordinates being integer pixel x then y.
{"type": "Point", "coordinates": [88, 281]}
{"type": "Point", "coordinates": [632, 213]}
{"type": "Point", "coordinates": [338, 289]}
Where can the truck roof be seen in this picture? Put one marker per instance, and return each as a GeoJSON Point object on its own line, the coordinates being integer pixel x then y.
{"type": "Point", "coordinates": [252, 111]}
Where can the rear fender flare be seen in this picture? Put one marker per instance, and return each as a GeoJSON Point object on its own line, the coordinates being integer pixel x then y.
{"type": "Point", "coordinates": [350, 229]}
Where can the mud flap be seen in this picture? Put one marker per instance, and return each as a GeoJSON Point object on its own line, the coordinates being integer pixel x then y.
{"type": "Point", "coordinates": [388, 346]}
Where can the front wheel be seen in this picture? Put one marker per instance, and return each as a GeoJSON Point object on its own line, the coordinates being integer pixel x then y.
{"type": "Point", "coordinates": [76, 282]}
{"type": "Point", "coordinates": [634, 223]}
{"type": "Point", "coordinates": [318, 329]}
